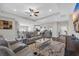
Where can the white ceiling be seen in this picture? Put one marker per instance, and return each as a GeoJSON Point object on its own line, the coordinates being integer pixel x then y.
{"type": "Point", "coordinates": [60, 11]}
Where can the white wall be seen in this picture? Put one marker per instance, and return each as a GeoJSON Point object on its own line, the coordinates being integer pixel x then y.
{"type": "Point", "coordinates": [12, 34]}
{"type": "Point", "coordinates": [62, 27]}
{"type": "Point", "coordinates": [9, 34]}
{"type": "Point", "coordinates": [54, 30]}
{"type": "Point", "coordinates": [53, 27]}
{"type": "Point", "coordinates": [56, 27]}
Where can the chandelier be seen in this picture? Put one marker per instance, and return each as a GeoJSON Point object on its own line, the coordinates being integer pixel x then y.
{"type": "Point", "coordinates": [32, 12]}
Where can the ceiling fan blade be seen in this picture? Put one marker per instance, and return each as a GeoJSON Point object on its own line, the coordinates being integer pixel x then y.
{"type": "Point", "coordinates": [37, 12]}
{"type": "Point", "coordinates": [31, 9]}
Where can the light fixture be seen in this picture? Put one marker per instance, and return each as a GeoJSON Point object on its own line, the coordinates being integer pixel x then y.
{"type": "Point", "coordinates": [50, 10]}
{"type": "Point", "coordinates": [32, 11]}
{"type": "Point", "coordinates": [14, 10]}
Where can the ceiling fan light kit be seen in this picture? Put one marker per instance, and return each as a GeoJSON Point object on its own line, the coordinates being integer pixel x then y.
{"type": "Point", "coordinates": [32, 12]}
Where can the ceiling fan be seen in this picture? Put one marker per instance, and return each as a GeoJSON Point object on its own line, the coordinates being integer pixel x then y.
{"type": "Point", "coordinates": [33, 12]}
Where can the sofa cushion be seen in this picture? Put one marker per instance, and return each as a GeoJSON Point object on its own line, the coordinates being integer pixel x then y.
{"type": "Point", "coordinates": [3, 43]}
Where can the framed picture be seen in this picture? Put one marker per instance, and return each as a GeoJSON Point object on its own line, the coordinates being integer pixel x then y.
{"type": "Point", "coordinates": [5, 24]}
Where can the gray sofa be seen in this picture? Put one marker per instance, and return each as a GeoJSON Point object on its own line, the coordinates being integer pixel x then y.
{"type": "Point", "coordinates": [5, 51]}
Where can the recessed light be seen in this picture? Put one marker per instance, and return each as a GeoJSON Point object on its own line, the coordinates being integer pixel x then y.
{"type": "Point", "coordinates": [50, 10]}
{"type": "Point", "coordinates": [14, 10]}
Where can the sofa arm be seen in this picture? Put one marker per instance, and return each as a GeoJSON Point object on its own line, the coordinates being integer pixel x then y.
{"type": "Point", "coordinates": [7, 50]}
